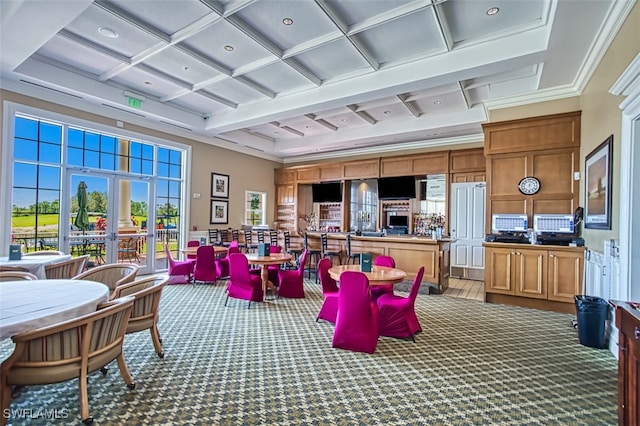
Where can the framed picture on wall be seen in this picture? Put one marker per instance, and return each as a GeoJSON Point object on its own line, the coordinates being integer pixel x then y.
{"type": "Point", "coordinates": [597, 211]}
{"type": "Point", "coordinates": [219, 213]}
{"type": "Point", "coordinates": [219, 185]}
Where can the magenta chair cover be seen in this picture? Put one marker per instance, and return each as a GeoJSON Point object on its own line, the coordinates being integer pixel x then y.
{"type": "Point", "coordinates": [329, 308]}
{"type": "Point", "coordinates": [272, 270]}
{"type": "Point", "coordinates": [357, 320]}
{"type": "Point", "coordinates": [242, 285]}
{"type": "Point", "coordinates": [398, 315]}
{"type": "Point", "coordinates": [179, 271]}
{"type": "Point", "coordinates": [192, 243]}
{"type": "Point", "coordinates": [292, 282]}
{"type": "Point", "coordinates": [222, 265]}
{"type": "Point", "coordinates": [205, 267]}
{"type": "Point", "coordinates": [379, 290]}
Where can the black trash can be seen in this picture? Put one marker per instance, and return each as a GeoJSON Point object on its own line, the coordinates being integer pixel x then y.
{"type": "Point", "coordinates": [592, 318]}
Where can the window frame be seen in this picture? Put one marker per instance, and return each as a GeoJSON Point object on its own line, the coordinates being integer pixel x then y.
{"type": "Point", "coordinates": [262, 209]}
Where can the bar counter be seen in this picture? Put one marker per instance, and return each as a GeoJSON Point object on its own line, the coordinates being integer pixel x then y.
{"type": "Point", "coordinates": [409, 252]}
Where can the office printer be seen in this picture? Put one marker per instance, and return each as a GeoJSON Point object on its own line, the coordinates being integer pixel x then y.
{"type": "Point", "coordinates": [556, 229]}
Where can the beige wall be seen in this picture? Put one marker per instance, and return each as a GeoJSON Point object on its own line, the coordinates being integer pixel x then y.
{"type": "Point", "coordinates": [601, 115]}
{"type": "Point", "coordinates": [245, 172]}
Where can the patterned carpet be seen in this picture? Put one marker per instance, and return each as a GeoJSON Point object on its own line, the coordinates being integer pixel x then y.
{"type": "Point", "coordinates": [473, 364]}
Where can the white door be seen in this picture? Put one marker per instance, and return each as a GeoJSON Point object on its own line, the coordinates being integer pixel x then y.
{"type": "Point", "coordinates": [467, 225]}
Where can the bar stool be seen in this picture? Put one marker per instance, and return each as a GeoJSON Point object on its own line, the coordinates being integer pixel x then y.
{"type": "Point", "coordinates": [214, 237]}
{"type": "Point", "coordinates": [295, 252]}
{"type": "Point", "coordinates": [223, 235]}
{"type": "Point", "coordinates": [324, 245]}
{"type": "Point", "coordinates": [314, 255]}
{"type": "Point", "coordinates": [235, 236]}
{"type": "Point", "coordinates": [273, 238]}
{"type": "Point", "coordinates": [350, 254]}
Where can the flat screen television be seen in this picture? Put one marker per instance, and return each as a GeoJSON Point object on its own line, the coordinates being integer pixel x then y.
{"type": "Point", "coordinates": [330, 192]}
{"type": "Point", "coordinates": [397, 221]}
{"type": "Point", "coordinates": [397, 188]}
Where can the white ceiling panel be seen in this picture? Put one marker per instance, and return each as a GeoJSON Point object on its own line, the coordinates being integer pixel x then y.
{"type": "Point", "coordinates": [366, 74]}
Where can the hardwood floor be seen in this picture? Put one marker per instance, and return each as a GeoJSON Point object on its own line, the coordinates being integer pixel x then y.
{"type": "Point", "coordinates": [465, 289]}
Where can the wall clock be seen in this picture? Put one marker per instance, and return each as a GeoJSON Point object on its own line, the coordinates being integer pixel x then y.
{"type": "Point", "coordinates": [529, 185]}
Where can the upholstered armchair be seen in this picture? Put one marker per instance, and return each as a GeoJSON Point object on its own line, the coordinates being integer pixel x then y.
{"type": "Point", "coordinates": [398, 315]}
{"type": "Point", "coordinates": [292, 281]}
{"type": "Point", "coordinates": [242, 284]}
{"type": "Point", "coordinates": [205, 266]}
{"type": "Point", "coordinates": [329, 308]}
{"type": "Point", "coordinates": [111, 275]}
{"type": "Point", "coordinates": [178, 269]}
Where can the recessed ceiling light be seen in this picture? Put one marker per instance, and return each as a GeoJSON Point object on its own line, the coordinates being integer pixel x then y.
{"type": "Point", "coordinates": [148, 83]}
{"type": "Point", "coordinates": [344, 120]}
{"type": "Point", "coordinates": [492, 11]}
{"type": "Point", "coordinates": [228, 48]}
{"type": "Point", "coordinates": [186, 68]}
{"type": "Point", "coordinates": [276, 133]}
{"type": "Point", "coordinates": [287, 21]}
{"type": "Point", "coordinates": [387, 112]}
{"type": "Point", "coordinates": [307, 127]}
{"type": "Point", "coordinates": [437, 102]}
{"type": "Point", "coordinates": [108, 32]}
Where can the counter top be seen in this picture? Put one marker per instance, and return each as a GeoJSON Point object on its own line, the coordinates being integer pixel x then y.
{"type": "Point", "coordinates": [532, 246]}
{"type": "Point", "coordinates": [390, 238]}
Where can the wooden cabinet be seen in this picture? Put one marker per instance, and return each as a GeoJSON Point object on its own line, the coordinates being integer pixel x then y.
{"type": "Point", "coordinates": [628, 324]}
{"type": "Point", "coordinates": [397, 208]}
{"type": "Point", "coordinates": [286, 207]}
{"type": "Point", "coordinates": [412, 165]}
{"type": "Point", "coordinates": [516, 271]}
{"type": "Point", "coordinates": [564, 280]}
{"type": "Point", "coordinates": [550, 274]}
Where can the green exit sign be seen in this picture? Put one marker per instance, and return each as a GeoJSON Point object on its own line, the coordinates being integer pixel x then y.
{"type": "Point", "coordinates": [134, 102]}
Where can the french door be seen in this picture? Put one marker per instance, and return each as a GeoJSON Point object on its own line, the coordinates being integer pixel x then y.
{"type": "Point", "coordinates": [117, 224]}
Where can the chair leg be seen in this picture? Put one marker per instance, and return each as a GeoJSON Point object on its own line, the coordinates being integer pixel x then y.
{"type": "Point", "coordinates": [6, 399]}
{"type": "Point", "coordinates": [124, 372]}
{"type": "Point", "coordinates": [226, 300]}
{"type": "Point", "coordinates": [84, 398]}
{"type": "Point", "coordinates": [157, 342]}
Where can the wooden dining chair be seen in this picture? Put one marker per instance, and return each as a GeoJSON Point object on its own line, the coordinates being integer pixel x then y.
{"type": "Point", "coordinates": [17, 276]}
{"type": "Point", "coordinates": [75, 348]}
{"type": "Point", "coordinates": [67, 269]}
{"type": "Point", "coordinates": [145, 315]}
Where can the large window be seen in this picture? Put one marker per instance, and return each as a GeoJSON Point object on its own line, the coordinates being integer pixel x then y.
{"type": "Point", "coordinates": [48, 157]}
{"type": "Point", "coordinates": [255, 208]}
{"type": "Point", "coordinates": [363, 210]}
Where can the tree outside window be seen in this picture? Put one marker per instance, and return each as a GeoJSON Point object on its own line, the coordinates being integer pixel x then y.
{"type": "Point", "coordinates": [255, 203]}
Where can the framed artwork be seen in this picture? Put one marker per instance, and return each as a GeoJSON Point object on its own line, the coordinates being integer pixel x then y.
{"type": "Point", "coordinates": [219, 185]}
{"type": "Point", "coordinates": [219, 212]}
{"type": "Point", "coordinates": [597, 211]}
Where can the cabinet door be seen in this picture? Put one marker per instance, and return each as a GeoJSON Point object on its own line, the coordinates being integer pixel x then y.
{"type": "Point", "coordinates": [565, 275]}
{"type": "Point", "coordinates": [498, 268]}
{"type": "Point", "coordinates": [285, 194]}
{"type": "Point", "coordinates": [530, 272]}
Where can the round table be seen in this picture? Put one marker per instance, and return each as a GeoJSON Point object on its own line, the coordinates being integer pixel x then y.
{"type": "Point", "coordinates": [28, 305]}
{"type": "Point", "coordinates": [192, 251]}
{"type": "Point", "coordinates": [379, 275]}
{"type": "Point", "coordinates": [264, 262]}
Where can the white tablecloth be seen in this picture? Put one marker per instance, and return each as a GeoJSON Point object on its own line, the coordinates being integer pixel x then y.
{"type": "Point", "coordinates": [27, 305]}
{"type": "Point", "coordinates": [35, 264]}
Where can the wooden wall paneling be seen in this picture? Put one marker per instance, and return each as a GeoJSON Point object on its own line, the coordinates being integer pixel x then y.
{"type": "Point", "coordinates": [555, 171]}
{"type": "Point", "coordinates": [504, 173]}
{"type": "Point", "coordinates": [546, 206]}
{"type": "Point", "coordinates": [284, 175]}
{"type": "Point", "coordinates": [467, 160]}
{"type": "Point", "coordinates": [365, 169]}
{"type": "Point", "coordinates": [395, 166]}
{"type": "Point", "coordinates": [311, 174]}
{"type": "Point", "coordinates": [431, 163]}
{"type": "Point", "coordinates": [546, 132]}
{"type": "Point", "coordinates": [468, 177]}
{"type": "Point", "coordinates": [332, 171]}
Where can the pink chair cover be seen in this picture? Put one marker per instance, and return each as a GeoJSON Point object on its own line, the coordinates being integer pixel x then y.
{"type": "Point", "coordinates": [179, 271]}
{"type": "Point", "coordinates": [292, 282]}
{"type": "Point", "coordinates": [222, 265]}
{"type": "Point", "coordinates": [379, 290]}
{"type": "Point", "coordinates": [357, 320]}
{"type": "Point", "coordinates": [329, 308]}
{"type": "Point", "coordinates": [242, 285]}
{"type": "Point", "coordinates": [398, 315]}
{"type": "Point", "coordinates": [192, 243]}
{"type": "Point", "coordinates": [205, 267]}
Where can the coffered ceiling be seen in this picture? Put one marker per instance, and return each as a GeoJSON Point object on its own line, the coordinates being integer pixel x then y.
{"type": "Point", "coordinates": [293, 79]}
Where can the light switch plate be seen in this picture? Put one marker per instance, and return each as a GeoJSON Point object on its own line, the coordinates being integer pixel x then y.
{"type": "Point", "coordinates": [196, 195]}
{"type": "Point", "coordinates": [576, 175]}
